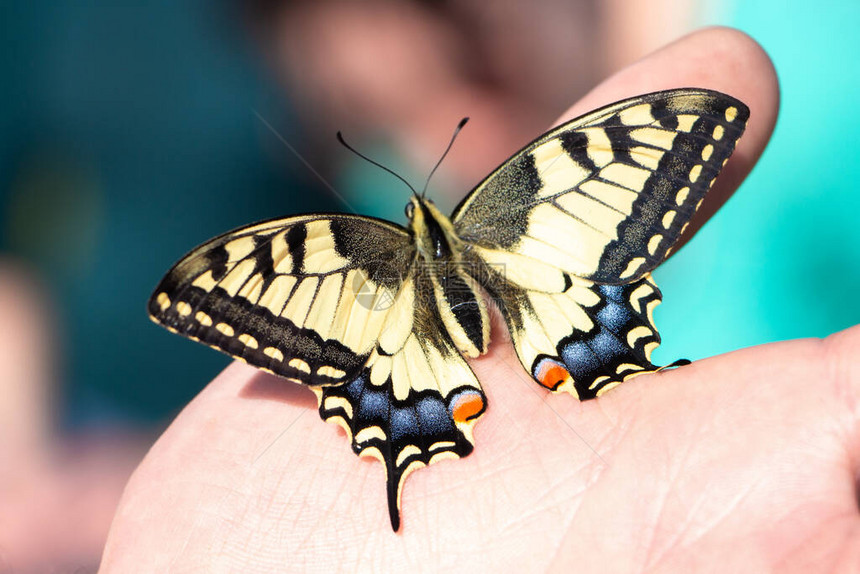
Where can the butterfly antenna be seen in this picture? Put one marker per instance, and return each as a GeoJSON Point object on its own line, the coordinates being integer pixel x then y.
{"type": "Point", "coordinates": [376, 163]}
{"type": "Point", "coordinates": [447, 149]}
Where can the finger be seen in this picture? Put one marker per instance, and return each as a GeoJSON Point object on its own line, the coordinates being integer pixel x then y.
{"type": "Point", "coordinates": [719, 59]}
{"type": "Point", "coordinates": [25, 366]}
{"type": "Point", "coordinates": [843, 375]}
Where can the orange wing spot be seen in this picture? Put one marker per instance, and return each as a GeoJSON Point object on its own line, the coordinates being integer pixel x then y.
{"type": "Point", "coordinates": [466, 406]}
{"type": "Point", "coordinates": [550, 374]}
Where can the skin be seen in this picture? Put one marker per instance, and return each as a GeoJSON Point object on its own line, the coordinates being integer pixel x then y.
{"type": "Point", "coordinates": [744, 462]}
{"type": "Point", "coordinates": [58, 491]}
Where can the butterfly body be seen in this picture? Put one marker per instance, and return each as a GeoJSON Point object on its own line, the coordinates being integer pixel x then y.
{"type": "Point", "coordinates": [376, 318]}
{"type": "Point", "coordinates": [457, 294]}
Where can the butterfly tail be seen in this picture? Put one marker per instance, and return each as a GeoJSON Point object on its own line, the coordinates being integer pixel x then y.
{"type": "Point", "coordinates": [405, 434]}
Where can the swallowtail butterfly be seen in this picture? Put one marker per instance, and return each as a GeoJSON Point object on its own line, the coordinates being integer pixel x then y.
{"type": "Point", "coordinates": [376, 318]}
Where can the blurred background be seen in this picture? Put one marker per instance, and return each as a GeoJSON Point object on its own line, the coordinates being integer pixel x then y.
{"type": "Point", "coordinates": [133, 131]}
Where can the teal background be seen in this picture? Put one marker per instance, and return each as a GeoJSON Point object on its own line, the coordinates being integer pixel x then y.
{"type": "Point", "coordinates": [128, 136]}
{"type": "Point", "coordinates": [781, 260]}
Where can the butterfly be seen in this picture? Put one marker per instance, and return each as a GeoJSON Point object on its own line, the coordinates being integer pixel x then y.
{"type": "Point", "coordinates": [377, 319]}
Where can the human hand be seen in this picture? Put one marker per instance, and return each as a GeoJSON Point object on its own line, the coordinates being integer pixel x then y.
{"type": "Point", "coordinates": [739, 463]}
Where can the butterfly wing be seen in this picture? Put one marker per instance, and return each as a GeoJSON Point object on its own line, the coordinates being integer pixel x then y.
{"type": "Point", "coordinates": [334, 302]}
{"type": "Point", "coordinates": [566, 232]}
{"type": "Point", "coordinates": [298, 297]}
{"type": "Point", "coordinates": [583, 340]}
{"type": "Point", "coordinates": [606, 196]}
{"type": "Point", "coordinates": [411, 408]}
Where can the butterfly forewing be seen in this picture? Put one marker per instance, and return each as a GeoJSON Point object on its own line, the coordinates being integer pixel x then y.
{"type": "Point", "coordinates": [299, 297]}
{"type": "Point", "coordinates": [606, 196]}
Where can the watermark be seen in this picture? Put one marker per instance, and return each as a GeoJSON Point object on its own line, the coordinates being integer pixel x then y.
{"type": "Point", "coordinates": [377, 285]}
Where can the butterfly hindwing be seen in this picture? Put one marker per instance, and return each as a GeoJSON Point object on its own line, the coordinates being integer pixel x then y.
{"type": "Point", "coordinates": [409, 410]}
{"type": "Point", "coordinates": [605, 196]}
{"type": "Point", "coordinates": [412, 406]}
{"type": "Point", "coordinates": [584, 340]}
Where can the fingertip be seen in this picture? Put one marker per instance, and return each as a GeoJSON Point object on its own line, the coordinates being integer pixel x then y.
{"type": "Point", "coordinates": [731, 61]}
{"type": "Point", "coordinates": [717, 58]}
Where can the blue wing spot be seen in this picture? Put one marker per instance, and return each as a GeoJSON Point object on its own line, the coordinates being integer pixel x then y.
{"type": "Point", "coordinates": [605, 344]}
{"type": "Point", "coordinates": [404, 426]}
{"type": "Point", "coordinates": [612, 292]}
{"type": "Point", "coordinates": [353, 389]}
{"type": "Point", "coordinates": [580, 360]}
{"type": "Point", "coordinates": [614, 317]}
{"type": "Point", "coordinates": [433, 416]}
{"type": "Point", "coordinates": [372, 406]}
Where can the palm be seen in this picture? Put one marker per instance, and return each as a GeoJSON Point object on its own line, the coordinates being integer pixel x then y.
{"type": "Point", "coordinates": [735, 463]}
{"type": "Point", "coordinates": [748, 452]}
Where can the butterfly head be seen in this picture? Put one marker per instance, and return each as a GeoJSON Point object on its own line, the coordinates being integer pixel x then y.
{"type": "Point", "coordinates": [434, 234]}
{"type": "Point", "coordinates": [416, 211]}
{"type": "Point", "coordinates": [419, 209]}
